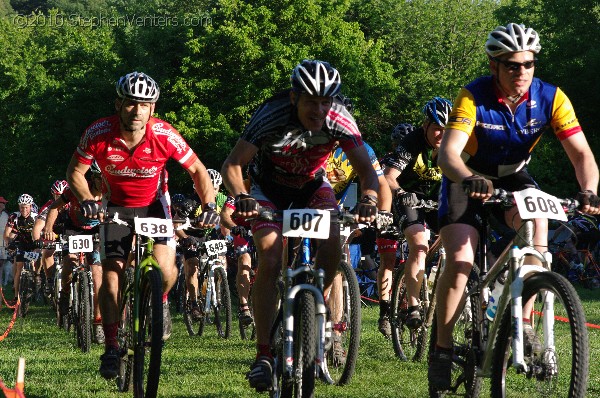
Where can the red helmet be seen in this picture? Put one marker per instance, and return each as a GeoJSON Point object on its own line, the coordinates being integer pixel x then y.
{"type": "Point", "coordinates": [59, 187]}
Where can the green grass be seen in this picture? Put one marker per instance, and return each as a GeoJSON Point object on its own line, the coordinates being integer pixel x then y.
{"type": "Point", "coordinates": [213, 367]}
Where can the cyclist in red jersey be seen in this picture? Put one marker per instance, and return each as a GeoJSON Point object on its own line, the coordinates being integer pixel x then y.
{"type": "Point", "coordinates": [77, 224]}
{"type": "Point", "coordinates": [47, 259]}
{"type": "Point", "coordinates": [132, 148]}
{"type": "Point", "coordinates": [288, 141]}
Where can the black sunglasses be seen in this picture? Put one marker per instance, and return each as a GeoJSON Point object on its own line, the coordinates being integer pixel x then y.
{"type": "Point", "coordinates": [515, 66]}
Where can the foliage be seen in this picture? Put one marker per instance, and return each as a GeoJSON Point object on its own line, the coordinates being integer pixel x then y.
{"type": "Point", "coordinates": [217, 60]}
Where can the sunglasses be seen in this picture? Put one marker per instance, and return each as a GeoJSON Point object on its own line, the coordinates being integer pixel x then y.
{"type": "Point", "coordinates": [515, 66]}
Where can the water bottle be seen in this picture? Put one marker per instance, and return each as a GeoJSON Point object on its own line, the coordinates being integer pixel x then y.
{"type": "Point", "coordinates": [492, 306]}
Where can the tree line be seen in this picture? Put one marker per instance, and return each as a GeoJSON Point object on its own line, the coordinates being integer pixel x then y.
{"type": "Point", "coordinates": [217, 60]}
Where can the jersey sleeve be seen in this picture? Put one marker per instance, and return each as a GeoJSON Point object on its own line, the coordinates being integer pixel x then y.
{"type": "Point", "coordinates": [564, 122]}
{"type": "Point", "coordinates": [463, 114]}
{"type": "Point", "coordinates": [177, 148]}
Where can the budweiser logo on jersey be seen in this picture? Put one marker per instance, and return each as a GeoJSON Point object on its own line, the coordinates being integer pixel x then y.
{"type": "Point", "coordinates": [142, 172]}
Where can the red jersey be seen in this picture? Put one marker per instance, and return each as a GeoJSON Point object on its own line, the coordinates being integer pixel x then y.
{"type": "Point", "coordinates": [138, 177]}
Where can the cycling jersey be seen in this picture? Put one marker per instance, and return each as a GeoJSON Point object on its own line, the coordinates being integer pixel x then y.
{"type": "Point", "coordinates": [340, 172]}
{"type": "Point", "coordinates": [500, 142]}
{"type": "Point", "coordinates": [289, 155]}
{"type": "Point", "coordinates": [418, 169]}
{"type": "Point", "coordinates": [133, 178]}
{"type": "Point", "coordinates": [21, 227]}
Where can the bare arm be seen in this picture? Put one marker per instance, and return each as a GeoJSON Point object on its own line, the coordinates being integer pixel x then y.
{"type": "Point", "coordinates": [391, 174]}
{"type": "Point", "coordinates": [361, 163]}
{"type": "Point", "coordinates": [232, 170]}
{"type": "Point", "coordinates": [384, 197]}
{"type": "Point", "coordinates": [449, 159]}
{"type": "Point", "coordinates": [202, 182]}
{"type": "Point", "coordinates": [76, 179]}
{"type": "Point", "coordinates": [584, 163]}
{"type": "Point", "coordinates": [226, 220]}
{"type": "Point", "coordinates": [55, 208]}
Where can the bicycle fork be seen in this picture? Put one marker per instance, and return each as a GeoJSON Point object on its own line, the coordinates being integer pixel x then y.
{"type": "Point", "coordinates": [288, 318]}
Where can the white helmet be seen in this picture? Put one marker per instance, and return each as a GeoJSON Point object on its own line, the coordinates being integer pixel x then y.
{"type": "Point", "coordinates": [138, 87]}
{"type": "Point", "coordinates": [316, 78]}
{"type": "Point", "coordinates": [216, 178]}
{"type": "Point", "coordinates": [512, 38]}
{"type": "Point", "coordinates": [25, 199]}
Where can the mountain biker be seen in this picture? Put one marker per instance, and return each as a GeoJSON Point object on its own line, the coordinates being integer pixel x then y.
{"type": "Point", "coordinates": [494, 125]}
{"type": "Point", "coordinates": [77, 224]}
{"type": "Point", "coordinates": [412, 173]}
{"type": "Point", "coordinates": [189, 239]}
{"type": "Point", "coordinates": [288, 141]}
{"type": "Point", "coordinates": [132, 148]}
{"type": "Point", "coordinates": [17, 234]}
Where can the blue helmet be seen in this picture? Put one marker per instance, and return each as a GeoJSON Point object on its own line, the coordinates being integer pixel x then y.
{"type": "Point", "coordinates": [437, 110]}
{"type": "Point", "coordinates": [401, 130]}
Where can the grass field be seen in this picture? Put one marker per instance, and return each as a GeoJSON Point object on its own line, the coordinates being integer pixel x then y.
{"type": "Point", "coordinates": [213, 367]}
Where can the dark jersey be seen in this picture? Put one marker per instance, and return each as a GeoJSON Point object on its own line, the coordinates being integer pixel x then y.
{"type": "Point", "coordinates": [418, 169]}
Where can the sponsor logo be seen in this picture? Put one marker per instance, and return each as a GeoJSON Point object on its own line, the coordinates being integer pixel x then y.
{"type": "Point", "coordinates": [174, 138]}
{"type": "Point", "coordinates": [297, 141]}
{"type": "Point", "coordinates": [462, 120]}
{"type": "Point", "coordinates": [95, 130]}
{"type": "Point", "coordinates": [115, 158]}
{"type": "Point", "coordinates": [490, 126]}
{"type": "Point", "coordinates": [531, 104]}
{"type": "Point", "coordinates": [142, 172]}
{"type": "Point", "coordinates": [147, 150]}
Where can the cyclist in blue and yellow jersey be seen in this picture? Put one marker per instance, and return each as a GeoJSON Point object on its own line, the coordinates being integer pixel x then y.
{"type": "Point", "coordinates": [494, 125]}
{"type": "Point", "coordinates": [287, 141]}
{"type": "Point", "coordinates": [412, 173]}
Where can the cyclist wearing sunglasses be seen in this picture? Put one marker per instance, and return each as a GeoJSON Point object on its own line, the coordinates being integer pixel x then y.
{"type": "Point", "coordinates": [494, 125]}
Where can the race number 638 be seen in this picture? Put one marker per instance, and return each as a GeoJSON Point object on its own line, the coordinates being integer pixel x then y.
{"type": "Point", "coordinates": [154, 227]}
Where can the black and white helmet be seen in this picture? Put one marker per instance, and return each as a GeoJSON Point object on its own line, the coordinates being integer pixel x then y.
{"type": "Point", "coordinates": [512, 38]}
{"type": "Point", "coordinates": [139, 87]}
{"type": "Point", "coordinates": [215, 177]}
{"type": "Point", "coordinates": [401, 130]}
{"type": "Point", "coordinates": [316, 78]}
{"type": "Point", "coordinates": [25, 199]}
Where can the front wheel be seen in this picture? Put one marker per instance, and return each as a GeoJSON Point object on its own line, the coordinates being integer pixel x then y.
{"type": "Point", "coordinates": [84, 311]}
{"type": "Point", "coordinates": [148, 341]}
{"type": "Point", "coordinates": [561, 368]}
{"type": "Point", "coordinates": [305, 344]}
{"type": "Point", "coordinates": [222, 304]}
{"type": "Point", "coordinates": [26, 289]}
{"type": "Point", "coordinates": [125, 333]}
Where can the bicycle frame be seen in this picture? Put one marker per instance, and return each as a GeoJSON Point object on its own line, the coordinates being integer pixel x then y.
{"type": "Point", "coordinates": [512, 257]}
{"type": "Point", "coordinates": [212, 263]}
{"type": "Point", "coordinates": [290, 292]}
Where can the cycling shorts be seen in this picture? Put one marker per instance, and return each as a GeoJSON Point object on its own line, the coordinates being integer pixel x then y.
{"type": "Point", "coordinates": [456, 207]}
{"type": "Point", "coordinates": [322, 198]}
{"type": "Point", "coordinates": [117, 239]}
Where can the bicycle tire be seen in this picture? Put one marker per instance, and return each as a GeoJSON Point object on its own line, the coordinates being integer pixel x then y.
{"type": "Point", "coordinates": [125, 334]}
{"type": "Point", "coordinates": [464, 363]}
{"type": "Point", "coordinates": [248, 332]}
{"type": "Point", "coordinates": [67, 319]}
{"type": "Point", "coordinates": [305, 345]}
{"type": "Point", "coordinates": [25, 292]}
{"type": "Point", "coordinates": [56, 287]}
{"type": "Point", "coordinates": [148, 343]}
{"type": "Point", "coordinates": [348, 328]}
{"type": "Point", "coordinates": [84, 315]}
{"type": "Point", "coordinates": [222, 307]}
{"type": "Point", "coordinates": [572, 334]}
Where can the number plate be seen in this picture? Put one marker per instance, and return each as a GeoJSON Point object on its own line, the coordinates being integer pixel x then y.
{"type": "Point", "coordinates": [154, 227]}
{"type": "Point", "coordinates": [533, 203]}
{"type": "Point", "coordinates": [31, 256]}
{"type": "Point", "coordinates": [81, 243]}
{"type": "Point", "coordinates": [306, 223]}
{"type": "Point", "coordinates": [214, 247]}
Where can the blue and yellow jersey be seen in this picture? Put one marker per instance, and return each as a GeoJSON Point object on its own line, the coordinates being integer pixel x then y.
{"type": "Point", "coordinates": [340, 172]}
{"type": "Point", "coordinates": [500, 142]}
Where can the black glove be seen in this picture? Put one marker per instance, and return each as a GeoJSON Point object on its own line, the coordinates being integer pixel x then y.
{"type": "Point", "coordinates": [245, 203]}
{"type": "Point", "coordinates": [238, 230]}
{"type": "Point", "coordinates": [189, 241]}
{"type": "Point", "coordinates": [90, 208]}
{"type": "Point", "coordinates": [38, 244]}
{"type": "Point", "coordinates": [12, 246]}
{"type": "Point", "coordinates": [588, 198]}
{"type": "Point", "coordinates": [367, 207]}
{"type": "Point", "coordinates": [208, 217]}
{"type": "Point", "coordinates": [408, 199]}
{"type": "Point", "coordinates": [478, 184]}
